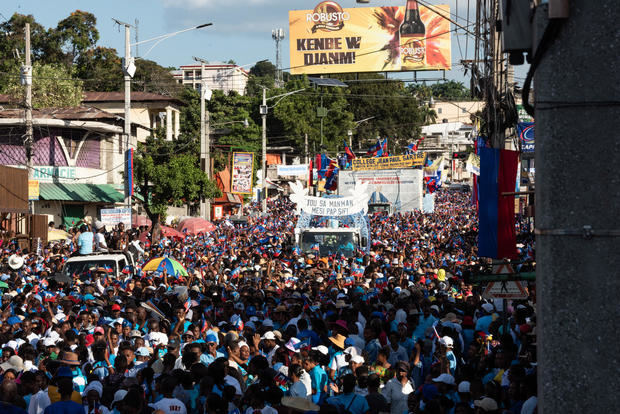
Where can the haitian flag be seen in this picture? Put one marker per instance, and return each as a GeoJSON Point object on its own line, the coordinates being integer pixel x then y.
{"type": "Point", "coordinates": [348, 151]}
{"type": "Point", "coordinates": [498, 172]}
{"type": "Point", "coordinates": [374, 149]}
{"type": "Point", "coordinates": [384, 149]}
{"type": "Point", "coordinates": [331, 175]}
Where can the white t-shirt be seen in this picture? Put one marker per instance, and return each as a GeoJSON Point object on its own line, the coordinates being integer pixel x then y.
{"type": "Point", "coordinates": [100, 243]}
{"type": "Point", "coordinates": [39, 402]}
{"type": "Point", "coordinates": [529, 405]}
{"type": "Point", "coordinates": [170, 406]}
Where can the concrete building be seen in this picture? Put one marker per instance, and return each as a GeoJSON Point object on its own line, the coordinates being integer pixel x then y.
{"type": "Point", "coordinates": [148, 111]}
{"type": "Point", "coordinates": [218, 76]}
{"type": "Point", "coordinates": [456, 111]}
{"type": "Point", "coordinates": [442, 140]}
{"type": "Point", "coordinates": [77, 159]}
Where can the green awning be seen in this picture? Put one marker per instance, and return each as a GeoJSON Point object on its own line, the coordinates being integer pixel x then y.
{"type": "Point", "coordinates": [90, 193]}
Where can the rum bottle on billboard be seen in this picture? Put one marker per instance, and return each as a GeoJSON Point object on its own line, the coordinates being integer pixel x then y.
{"type": "Point", "coordinates": [412, 38]}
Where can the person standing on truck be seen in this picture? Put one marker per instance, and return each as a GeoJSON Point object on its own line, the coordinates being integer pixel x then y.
{"type": "Point", "coordinates": [85, 240]}
{"type": "Point", "coordinates": [100, 243]}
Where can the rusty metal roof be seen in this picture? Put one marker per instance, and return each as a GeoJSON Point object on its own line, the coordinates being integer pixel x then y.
{"type": "Point", "coordinates": [120, 97]}
{"type": "Point", "coordinates": [86, 113]}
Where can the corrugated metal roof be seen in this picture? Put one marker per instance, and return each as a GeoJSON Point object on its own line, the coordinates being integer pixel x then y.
{"type": "Point", "coordinates": [120, 97]}
{"type": "Point", "coordinates": [92, 193]}
{"type": "Point", "coordinates": [77, 113]}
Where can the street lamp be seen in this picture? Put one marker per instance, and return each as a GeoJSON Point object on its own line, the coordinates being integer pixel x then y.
{"type": "Point", "coordinates": [263, 110]}
{"type": "Point", "coordinates": [129, 69]}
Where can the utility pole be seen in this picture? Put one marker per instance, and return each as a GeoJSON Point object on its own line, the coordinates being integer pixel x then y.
{"type": "Point", "coordinates": [26, 77]}
{"type": "Point", "coordinates": [128, 71]}
{"type": "Point", "coordinates": [205, 139]}
{"type": "Point", "coordinates": [577, 226]}
{"type": "Point", "coordinates": [263, 112]}
{"type": "Point", "coordinates": [27, 80]}
{"type": "Point", "coordinates": [306, 147]}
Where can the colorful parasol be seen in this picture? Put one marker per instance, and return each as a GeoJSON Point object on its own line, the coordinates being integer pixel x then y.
{"type": "Point", "coordinates": [160, 263]}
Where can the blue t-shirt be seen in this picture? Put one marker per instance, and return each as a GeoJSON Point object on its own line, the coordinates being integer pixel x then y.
{"type": "Point", "coordinates": [356, 403]}
{"type": "Point", "coordinates": [64, 407]}
{"type": "Point", "coordinates": [318, 378]}
{"type": "Point", "coordinates": [311, 336]}
{"type": "Point", "coordinates": [483, 323]}
{"type": "Point", "coordinates": [85, 242]}
{"type": "Point", "coordinates": [11, 409]}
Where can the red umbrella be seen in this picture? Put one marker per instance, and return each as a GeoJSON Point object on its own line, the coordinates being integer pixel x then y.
{"type": "Point", "coordinates": [195, 225]}
{"type": "Point", "coordinates": [141, 221]}
{"type": "Point", "coordinates": [170, 232]}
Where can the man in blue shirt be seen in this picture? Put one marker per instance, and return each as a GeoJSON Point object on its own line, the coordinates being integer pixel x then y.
{"type": "Point", "coordinates": [85, 241]}
{"type": "Point", "coordinates": [318, 378]}
{"type": "Point", "coordinates": [349, 401]}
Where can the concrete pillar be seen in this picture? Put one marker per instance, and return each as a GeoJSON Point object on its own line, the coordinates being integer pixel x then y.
{"type": "Point", "coordinates": [577, 183]}
{"type": "Point", "coordinates": [177, 123]}
{"type": "Point", "coordinates": [169, 123]}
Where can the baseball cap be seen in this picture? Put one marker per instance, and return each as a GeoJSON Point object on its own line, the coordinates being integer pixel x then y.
{"type": "Point", "coordinates": [116, 307]}
{"type": "Point", "coordinates": [464, 386]}
{"type": "Point", "coordinates": [99, 330]}
{"type": "Point", "coordinates": [173, 343]}
{"type": "Point", "coordinates": [445, 378]}
{"type": "Point", "coordinates": [487, 404]}
{"type": "Point", "coordinates": [269, 335]}
{"type": "Point", "coordinates": [446, 341]}
{"type": "Point", "coordinates": [143, 352]}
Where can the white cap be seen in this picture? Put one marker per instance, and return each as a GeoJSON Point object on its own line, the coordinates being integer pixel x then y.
{"type": "Point", "coordinates": [269, 335]}
{"type": "Point", "coordinates": [322, 349]}
{"type": "Point", "coordinates": [488, 308]}
{"type": "Point", "coordinates": [445, 378]}
{"type": "Point", "coordinates": [446, 341]}
{"type": "Point", "coordinates": [464, 386]}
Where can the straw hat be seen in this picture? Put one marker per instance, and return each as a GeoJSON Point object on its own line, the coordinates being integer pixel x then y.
{"type": "Point", "coordinates": [299, 404]}
{"type": "Point", "coordinates": [71, 358]}
{"type": "Point", "coordinates": [338, 340]}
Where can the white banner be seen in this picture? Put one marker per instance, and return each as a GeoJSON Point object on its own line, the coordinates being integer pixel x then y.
{"type": "Point", "coordinates": [298, 170]}
{"type": "Point", "coordinates": [112, 216]}
{"type": "Point", "coordinates": [320, 206]}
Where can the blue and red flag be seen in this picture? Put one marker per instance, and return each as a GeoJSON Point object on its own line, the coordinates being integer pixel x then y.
{"type": "Point", "coordinates": [348, 151]}
{"type": "Point", "coordinates": [384, 149]}
{"type": "Point", "coordinates": [374, 149]}
{"type": "Point", "coordinates": [498, 172]}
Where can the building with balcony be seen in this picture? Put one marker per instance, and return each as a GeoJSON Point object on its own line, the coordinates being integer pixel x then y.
{"type": "Point", "coordinates": [225, 77]}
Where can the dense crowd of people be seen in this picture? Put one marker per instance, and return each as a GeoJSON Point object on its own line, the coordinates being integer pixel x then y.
{"type": "Point", "coordinates": [259, 327]}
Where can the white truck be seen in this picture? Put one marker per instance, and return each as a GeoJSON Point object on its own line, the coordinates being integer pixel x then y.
{"type": "Point", "coordinates": [114, 260]}
{"type": "Point", "coordinates": [325, 241]}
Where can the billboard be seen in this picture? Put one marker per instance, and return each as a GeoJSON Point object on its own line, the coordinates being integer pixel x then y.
{"type": "Point", "coordinates": [330, 39]}
{"type": "Point", "coordinates": [112, 216]}
{"type": "Point", "coordinates": [401, 187]}
{"type": "Point", "coordinates": [242, 169]}
{"type": "Point", "coordinates": [386, 163]}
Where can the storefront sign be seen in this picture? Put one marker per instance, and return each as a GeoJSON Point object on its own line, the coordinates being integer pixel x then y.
{"type": "Point", "coordinates": [300, 170]}
{"type": "Point", "coordinates": [45, 173]}
{"type": "Point", "coordinates": [112, 216]}
{"type": "Point", "coordinates": [388, 163]}
{"type": "Point", "coordinates": [242, 169]}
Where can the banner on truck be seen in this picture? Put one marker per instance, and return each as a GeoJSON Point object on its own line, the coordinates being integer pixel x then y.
{"type": "Point", "coordinates": [330, 39]}
{"type": "Point", "coordinates": [401, 188]}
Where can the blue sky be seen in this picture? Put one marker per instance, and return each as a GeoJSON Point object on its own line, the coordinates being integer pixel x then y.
{"type": "Point", "coordinates": [241, 28]}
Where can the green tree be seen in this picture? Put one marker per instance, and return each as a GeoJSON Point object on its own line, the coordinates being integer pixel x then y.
{"type": "Point", "coordinates": [262, 75]}
{"type": "Point", "coordinates": [450, 90]}
{"type": "Point", "coordinates": [227, 115]}
{"type": "Point", "coordinates": [167, 175]}
{"type": "Point", "coordinates": [44, 46]}
{"type": "Point", "coordinates": [100, 68]}
{"type": "Point", "coordinates": [78, 33]}
{"type": "Point", "coordinates": [152, 77]}
{"type": "Point", "coordinates": [298, 115]}
{"type": "Point", "coordinates": [52, 86]}
{"type": "Point", "coordinates": [386, 108]}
